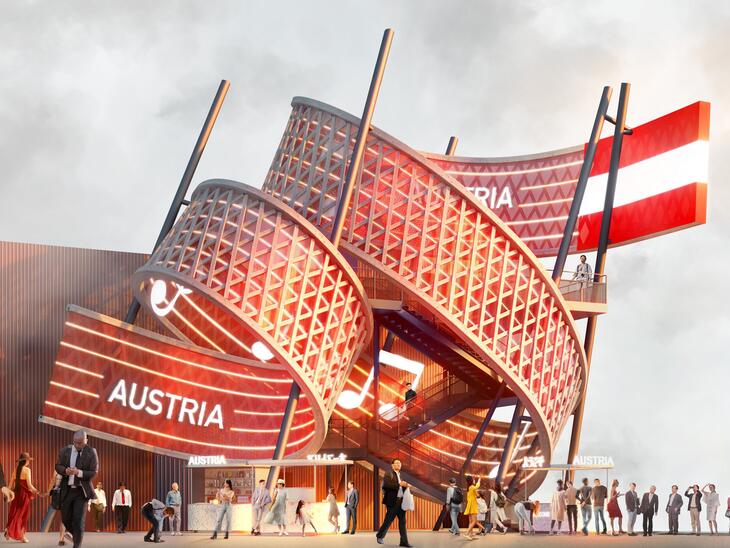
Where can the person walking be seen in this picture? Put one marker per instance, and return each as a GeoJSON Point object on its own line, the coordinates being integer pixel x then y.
{"type": "Point", "coordinates": [25, 492]}
{"type": "Point", "coordinates": [632, 508]}
{"type": "Point", "coordinates": [674, 507]}
{"type": "Point", "coordinates": [585, 494]}
{"type": "Point", "coordinates": [557, 508]}
{"type": "Point", "coordinates": [571, 507]}
{"type": "Point", "coordinates": [393, 488]}
{"type": "Point", "coordinates": [497, 502]}
{"type": "Point", "coordinates": [54, 506]}
{"type": "Point", "coordinates": [599, 495]}
{"type": "Point", "coordinates": [226, 497]}
{"type": "Point", "coordinates": [483, 511]}
{"type": "Point", "coordinates": [712, 503]}
{"type": "Point", "coordinates": [303, 517]}
{"type": "Point", "coordinates": [454, 500]}
{"type": "Point", "coordinates": [79, 464]}
{"type": "Point", "coordinates": [155, 511]}
{"type": "Point", "coordinates": [694, 495]}
{"type": "Point", "coordinates": [121, 505]}
{"type": "Point", "coordinates": [333, 515]}
{"type": "Point", "coordinates": [259, 501]}
{"type": "Point", "coordinates": [472, 506]}
{"type": "Point", "coordinates": [97, 507]}
{"type": "Point", "coordinates": [174, 500]}
{"type": "Point", "coordinates": [277, 513]}
{"type": "Point", "coordinates": [614, 510]}
{"type": "Point", "coordinates": [649, 508]}
{"type": "Point", "coordinates": [352, 499]}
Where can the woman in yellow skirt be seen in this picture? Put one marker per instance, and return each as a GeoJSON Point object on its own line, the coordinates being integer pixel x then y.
{"type": "Point", "coordinates": [472, 508]}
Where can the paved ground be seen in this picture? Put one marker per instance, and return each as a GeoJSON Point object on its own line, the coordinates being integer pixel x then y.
{"type": "Point", "coordinates": [367, 540]}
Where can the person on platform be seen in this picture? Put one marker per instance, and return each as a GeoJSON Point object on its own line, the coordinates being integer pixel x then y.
{"type": "Point", "coordinates": [557, 508]}
{"type": "Point", "coordinates": [583, 272]}
{"type": "Point", "coordinates": [259, 501]}
{"type": "Point", "coordinates": [694, 495]}
{"type": "Point", "coordinates": [712, 503]}
{"type": "Point", "coordinates": [97, 507]}
{"type": "Point", "coordinates": [226, 498]}
{"type": "Point", "coordinates": [277, 513]}
{"type": "Point", "coordinates": [674, 508]}
{"type": "Point", "coordinates": [174, 500]}
{"type": "Point", "coordinates": [571, 506]}
{"type": "Point", "coordinates": [649, 508]}
{"type": "Point", "coordinates": [614, 510]}
{"type": "Point", "coordinates": [454, 500]}
{"type": "Point", "coordinates": [25, 492]}
{"type": "Point", "coordinates": [8, 494]}
{"type": "Point", "coordinates": [472, 506]}
{"type": "Point", "coordinates": [121, 505]}
{"type": "Point", "coordinates": [599, 495]}
{"type": "Point", "coordinates": [410, 393]}
{"type": "Point", "coordinates": [585, 494]}
{"type": "Point", "coordinates": [632, 508]}
{"type": "Point", "coordinates": [155, 511]}
{"type": "Point", "coordinates": [54, 494]}
{"type": "Point", "coordinates": [497, 502]}
{"type": "Point", "coordinates": [333, 515]}
{"type": "Point", "coordinates": [352, 499]}
{"type": "Point", "coordinates": [303, 517]}
{"type": "Point", "coordinates": [393, 487]}
{"type": "Point", "coordinates": [79, 464]}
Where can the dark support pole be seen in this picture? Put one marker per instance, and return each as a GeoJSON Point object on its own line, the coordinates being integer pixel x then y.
{"type": "Point", "coordinates": [342, 207]}
{"type": "Point", "coordinates": [513, 485]}
{"type": "Point", "coordinates": [580, 189]}
{"type": "Point", "coordinates": [451, 147]}
{"type": "Point", "coordinates": [509, 444]}
{"type": "Point", "coordinates": [279, 451]}
{"type": "Point", "coordinates": [187, 177]}
{"type": "Point", "coordinates": [389, 340]}
{"type": "Point", "coordinates": [483, 428]}
{"type": "Point", "coordinates": [376, 373]}
{"type": "Point", "coordinates": [362, 134]}
{"type": "Point", "coordinates": [376, 498]}
{"type": "Point", "coordinates": [603, 242]}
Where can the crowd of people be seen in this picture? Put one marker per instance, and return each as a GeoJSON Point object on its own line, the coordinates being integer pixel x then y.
{"type": "Point", "coordinates": [485, 509]}
{"type": "Point", "coordinates": [72, 493]}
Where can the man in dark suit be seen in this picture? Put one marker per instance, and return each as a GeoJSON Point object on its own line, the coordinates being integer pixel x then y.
{"type": "Point", "coordinates": [649, 508]}
{"type": "Point", "coordinates": [393, 487]}
{"type": "Point", "coordinates": [632, 507]}
{"type": "Point", "coordinates": [78, 464]}
{"type": "Point", "coordinates": [352, 499]}
{"type": "Point", "coordinates": [674, 507]}
{"type": "Point", "coordinates": [695, 507]}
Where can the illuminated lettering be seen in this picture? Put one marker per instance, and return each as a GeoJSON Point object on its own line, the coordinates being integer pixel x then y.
{"type": "Point", "coordinates": [582, 460]}
{"type": "Point", "coordinates": [152, 401]}
{"type": "Point", "coordinates": [158, 295]}
{"type": "Point", "coordinates": [493, 197]}
{"type": "Point", "coordinates": [206, 460]}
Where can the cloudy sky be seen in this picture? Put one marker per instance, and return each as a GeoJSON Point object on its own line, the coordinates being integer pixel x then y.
{"type": "Point", "coordinates": [100, 106]}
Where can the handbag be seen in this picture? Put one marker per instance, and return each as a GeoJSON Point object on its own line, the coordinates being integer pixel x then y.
{"type": "Point", "coordinates": [727, 513]}
{"type": "Point", "coordinates": [408, 504]}
{"type": "Point", "coordinates": [55, 499]}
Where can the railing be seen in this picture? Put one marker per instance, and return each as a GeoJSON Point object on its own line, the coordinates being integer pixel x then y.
{"type": "Point", "coordinates": [378, 439]}
{"type": "Point", "coordinates": [587, 291]}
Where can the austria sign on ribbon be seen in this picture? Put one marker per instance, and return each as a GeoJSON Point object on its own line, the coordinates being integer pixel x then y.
{"type": "Point", "coordinates": [257, 298]}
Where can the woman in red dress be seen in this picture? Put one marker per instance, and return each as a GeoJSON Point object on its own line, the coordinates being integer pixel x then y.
{"type": "Point", "coordinates": [20, 507]}
{"type": "Point", "coordinates": [614, 510]}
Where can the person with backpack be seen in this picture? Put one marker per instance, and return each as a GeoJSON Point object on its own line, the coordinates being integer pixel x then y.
{"type": "Point", "coordinates": [454, 500]}
{"type": "Point", "coordinates": [497, 502]}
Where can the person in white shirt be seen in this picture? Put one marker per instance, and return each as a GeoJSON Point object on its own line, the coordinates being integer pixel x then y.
{"type": "Point", "coordinates": [121, 504]}
{"type": "Point", "coordinates": [97, 507]}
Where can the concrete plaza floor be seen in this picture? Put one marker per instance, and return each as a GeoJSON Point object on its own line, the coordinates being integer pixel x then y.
{"type": "Point", "coordinates": [367, 540]}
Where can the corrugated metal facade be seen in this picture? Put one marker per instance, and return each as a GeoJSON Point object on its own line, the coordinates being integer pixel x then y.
{"type": "Point", "coordinates": [36, 284]}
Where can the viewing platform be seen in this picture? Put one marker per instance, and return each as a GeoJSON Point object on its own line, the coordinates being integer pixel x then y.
{"type": "Point", "coordinates": [585, 298]}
